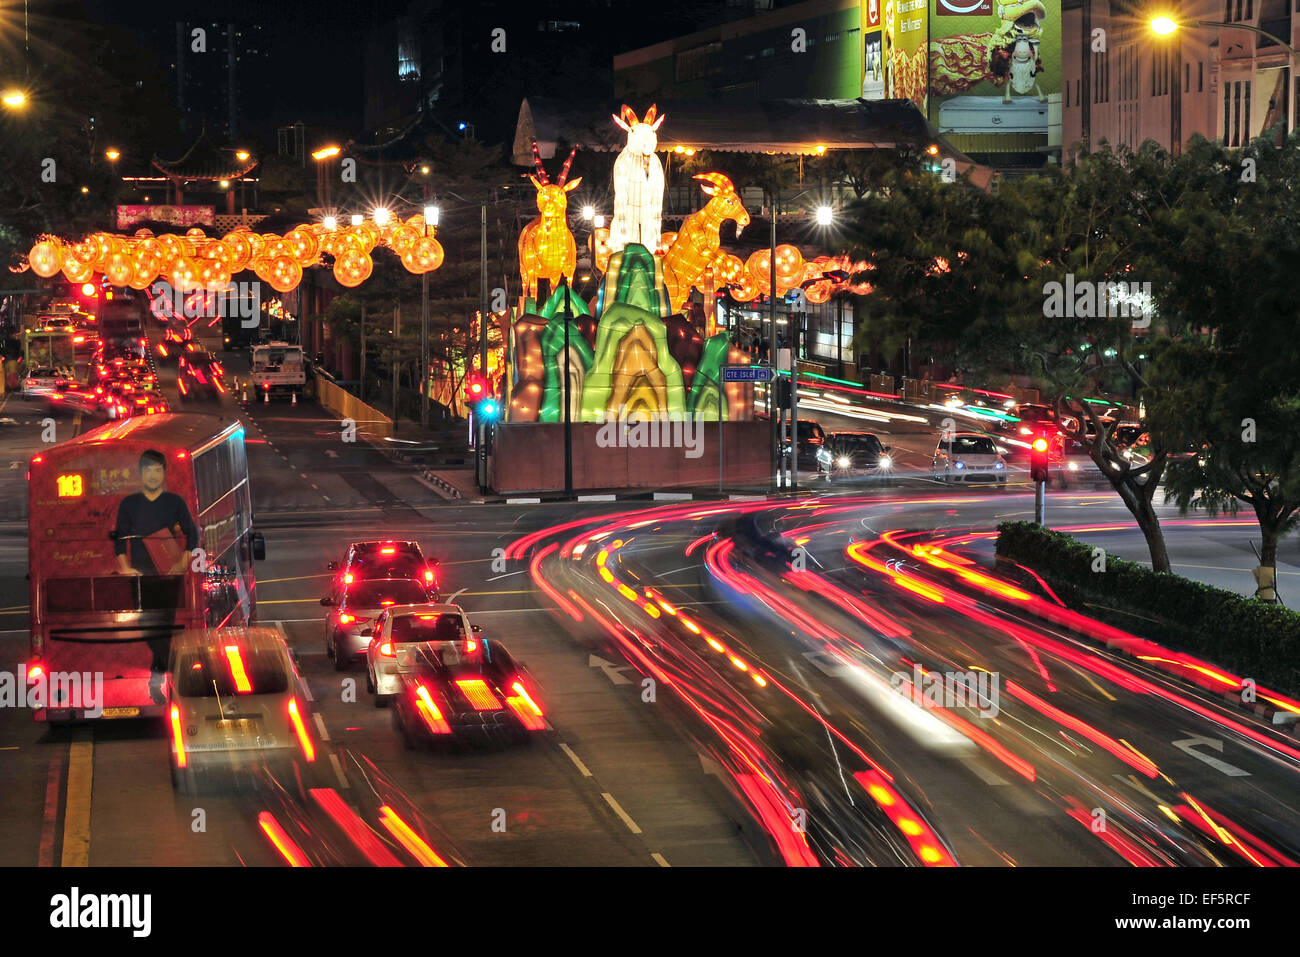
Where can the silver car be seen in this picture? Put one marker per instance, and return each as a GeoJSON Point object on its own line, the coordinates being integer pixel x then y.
{"type": "Point", "coordinates": [355, 607]}
{"type": "Point", "coordinates": [398, 632]}
{"type": "Point", "coordinates": [235, 700]}
{"type": "Point", "coordinates": [968, 457]}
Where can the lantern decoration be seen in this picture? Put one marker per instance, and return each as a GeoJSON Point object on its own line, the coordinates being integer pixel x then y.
{"type": "Point", "coordinates": [727, 268]}
{"type": "Point", "coordinates": [241, 250]}
{"type": "Point", "coordinates": [173, 247]}
{"type": "Point", "coordinates": [303, 246]}
{"type": "Point", "coordinates": [665, 240]}
{"type": "Point", "coordinates": [691, 252]}
{"type": "Point", "coordinates": [423, 255]}
{"type": "Point", "coordinates": [255, 244]}
{"type": "Point", "coordinates": [352, 267]}
{"type": "Point", "coordinates": [195, 233]}
{"type": "Point", "coordinates": [143, 233]}
{"type": "Point", "coordinates": [601, 250]}
{"type": "Point", "coordinates": [85, 251]}
{"type": "Point", "coordinates": [46, 258]}
{"type": "Point", "coordinates": [638, 183]}
{"type": "Point", "coordinates": [119, 269]}
{"type": "Point", "coordinates": [758, 268]}
{"type": "Point", "coordinates": [212, 274]}
{"type": "Point", "coordinates": [75, 270]}
{"type": "Point", "coordinates": [285, 273]}
{"type": "Point", "coordinates": [401, 237]}
{"type": "Point", "coordinates": [183, 274]}
{"type": "Point", "coordinates": [546, 246]}
{"type": "Point", "coordinates": [789, 265]}
{"type": "Point", "coordinates": [745, 289]}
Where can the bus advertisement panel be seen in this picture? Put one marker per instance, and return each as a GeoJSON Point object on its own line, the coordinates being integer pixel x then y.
{"type": "Point", "coordinates": [138, 530]}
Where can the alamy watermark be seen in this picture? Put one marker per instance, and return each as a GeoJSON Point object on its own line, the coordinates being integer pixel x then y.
{"type": "Point", "coordinates": [241, 300]}
{"type": "Point", "coordinates": [639, 430]}
{"type": "Point", "coordinates": [950, 689]}
{"type": "Point", "coordinates": [79, 690]}
{"type": "Point", "coordinates": [1096, 300]}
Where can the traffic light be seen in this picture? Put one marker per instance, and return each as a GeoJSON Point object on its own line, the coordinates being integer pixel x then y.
{"type": "Point", "coordinates": [489, 409]}
{"type": "Point", "coordinates": [476, 388]}
{"type": "Point", "coordinates": [1038, 458]}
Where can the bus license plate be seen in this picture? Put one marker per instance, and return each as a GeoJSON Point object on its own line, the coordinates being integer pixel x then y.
{"type": "Point", "coordinates": [121, 713]}
{"type": "Point", "coordinates": [235, 724]}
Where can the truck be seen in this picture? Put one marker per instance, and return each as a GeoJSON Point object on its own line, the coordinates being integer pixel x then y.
{"type": "Point", "coordinates": [278, 369]}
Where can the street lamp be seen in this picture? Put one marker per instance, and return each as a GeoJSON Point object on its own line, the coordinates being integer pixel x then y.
{"type": "Point", "coordinates": [589, 212]}
{"type": "Point", "coordinates": [430, 216]}
{"type": "Point", "coordinates": [111, 155]}
{"type": "Point", "coordinates": [326, 152]}
{"type": "Point", "coordinates": [242, 156]}
{"type": "Point", "coordinates": [14, 99]}
{"type": "Point", "coordinates": [381, 216]}
{"type": "Point", "coordinates": [1164, 26]}
{"type": "Point", "coordinates": [331, 222]}
{"type": "Point", "coordinates": [598, 221]}
{"type": "Point", "coordinates": [825, 215]}
{"type": "Point", "coordinates": [357, 219]}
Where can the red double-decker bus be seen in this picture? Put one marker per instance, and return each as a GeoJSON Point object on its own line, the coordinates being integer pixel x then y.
{"type": "Point", "coordinates": [138, 530]}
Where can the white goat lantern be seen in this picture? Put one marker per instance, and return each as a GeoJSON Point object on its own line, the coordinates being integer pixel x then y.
{"type": "Point", "coordinates": [638, 184]}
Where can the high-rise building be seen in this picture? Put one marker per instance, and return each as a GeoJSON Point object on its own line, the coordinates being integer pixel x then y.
{"type": "Point", "coordinates": [219, 71]}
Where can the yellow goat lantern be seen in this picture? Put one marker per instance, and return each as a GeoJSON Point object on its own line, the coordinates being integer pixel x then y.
{"type": "Point", "coordinates": [697, 244]}
{"type": "Point", "coordinates": [546, 246]}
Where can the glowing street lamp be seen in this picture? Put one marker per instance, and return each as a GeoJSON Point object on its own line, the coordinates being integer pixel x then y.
{"type": "Point", "coordinates": [331, 222]}
{"type": "Point", "coordinates": [598, 221]}
{"type": "Point", "coordinates": [1163, 25]}
{"type": "Point", "coordinates": [14, 99]}
{"type": "Point", "coordinates": [225, 184]}
{"type": "Point", "coordinates": [357, 219]}
{"type": "Point", "coordinates": [326, 152]}
{"type": "Point", "coordinates": [825, 215]}
{"type": "Point", "coordinates": [242, 155]}
{"type": "Point", "coordinates": [589, 212]}
{"type": "Point", "coordinates": [111, 155]}
{"type": "Point", "coordinates": [381, 216]}
{"type": "Point", "coordinates": [431, 215]}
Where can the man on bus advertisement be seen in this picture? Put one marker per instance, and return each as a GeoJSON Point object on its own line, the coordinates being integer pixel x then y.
{"type": "Point", "coordinates": [147, 533]}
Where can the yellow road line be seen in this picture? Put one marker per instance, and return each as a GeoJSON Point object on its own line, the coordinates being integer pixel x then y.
{"type": "Point", "coordinates": [76, 806]}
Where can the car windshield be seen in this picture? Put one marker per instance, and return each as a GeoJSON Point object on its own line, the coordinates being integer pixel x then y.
{"type": "Point", "coordinates": [373, 594]}
{"type": "Point", "coordinates": [223, 669]}
{"type": "Point", "coordinates": [857, 443]}
{"type": "Point", "coordinates": [973, 445]}
{"type": "Point", "coordinates": [428, 627]}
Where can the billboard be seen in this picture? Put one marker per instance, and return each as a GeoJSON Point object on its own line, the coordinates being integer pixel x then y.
{"type": "Point", "coordinates": [873, 66]}
{"type": "Point", "coordinates": [906, 30]}
{"type": "Point", "coordinates": [128, 216]}
{"type": "Point", "coordinates": [994, 66]}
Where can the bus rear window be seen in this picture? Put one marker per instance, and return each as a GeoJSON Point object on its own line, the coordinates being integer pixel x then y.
{"type": "Point", "coordinates": [115, 593]}
{"type": "Point", "coordinates": [207, 673]}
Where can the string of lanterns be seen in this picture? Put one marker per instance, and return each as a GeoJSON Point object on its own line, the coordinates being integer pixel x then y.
{"type": "Point", "coordinates": [195, 261]}
{"type": "Point", "coordinates": [748, 279]}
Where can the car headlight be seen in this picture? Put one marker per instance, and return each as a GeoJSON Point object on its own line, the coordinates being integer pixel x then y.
{"type": "Point", "coordinates": [885, 462]}
{"type": "Point", "coordinates": [1025, 431]}
{"type": "Point", "coordinates": [959, 465]}
{"type": "Point", "coordinates": [843, 461]}
{"type": "Point", "coordinates": [1074, 466]}
{"type": "Point", "coordinates": [999, 465]}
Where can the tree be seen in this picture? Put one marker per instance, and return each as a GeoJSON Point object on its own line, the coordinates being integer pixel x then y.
{"type": "Point", "coordinates": [1231, 394]}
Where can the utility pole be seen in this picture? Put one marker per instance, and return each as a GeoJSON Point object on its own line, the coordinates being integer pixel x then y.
{"type": "Point", "coordinates": [361, 385]}
{"type": "Point", "coordinates": [397, 328]}
{"type": "Point", "coordinates": [773, 407]}
{"type": "Point", "coordinates": [481, 452]}
{"type": "Point", "coordinates": [568, 424]}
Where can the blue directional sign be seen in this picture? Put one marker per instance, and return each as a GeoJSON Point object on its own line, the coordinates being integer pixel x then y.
{"type": "Point", "coordinates": [746, 374]}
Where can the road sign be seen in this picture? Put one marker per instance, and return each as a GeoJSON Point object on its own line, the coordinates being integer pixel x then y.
{"type": "Point", "coordinates": [746, 374]}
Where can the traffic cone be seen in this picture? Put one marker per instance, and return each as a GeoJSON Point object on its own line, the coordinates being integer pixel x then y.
{"type": "Point", "coordinates": [266, 396]}
{"type": "Point", "coordinates": [294, 399]}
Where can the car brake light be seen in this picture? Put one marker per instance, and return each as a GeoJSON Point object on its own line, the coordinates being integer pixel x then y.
{"type": "Point", "coordinates": [405, 836]}
{"type": "Point", "coordinates": [428, 575]}
{"type": "Point", "coordinates": [290, 851]}
{"type": "Point", "coordinates": [236, 661]}
{"type": "Point", "coordinates": [429, 711]}
{"type": "Point", "coordinates": [478, 694]}
{"type": "Point", "coordinates": [386, 649]}
{"type": "Point", "coordinates": [387, 601]}
{"type": "Point", "coordinates": [470, 646]}
{"type": "Point", "coordinates": [199, 375]}
{"type": "Point", "coordinates": [176, 737]}
{"type": "Point", "coordinates": [525, 708]}
{"type": "Point", "coordinates": [347, 579]}
{"type": "Point", "coordinates": [180, 383]}
{"type": "Point", "coordinates": [387, 551]}
{"type": "Point", "coordinates": [308, 749]}
{"type": "Point", "coordinates": [345, 618]}
{"type": "Point", "coordinates": [35, 671]}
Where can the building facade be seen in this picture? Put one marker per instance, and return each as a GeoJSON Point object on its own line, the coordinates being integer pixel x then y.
{"type": "Point", "coordinates": [1225, 81]}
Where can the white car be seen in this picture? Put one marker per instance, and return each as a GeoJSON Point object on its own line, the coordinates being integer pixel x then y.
{"type": "Point", "coordinates": [968, 457]}
{"type": "Point", "coordinates": [235, 700]}
{"type": "Point", "coordinates": [45, 381]}
{"type": "Point", "coordinates": [398, 630]}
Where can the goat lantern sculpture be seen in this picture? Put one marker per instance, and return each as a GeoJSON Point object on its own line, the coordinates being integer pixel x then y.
{"type": "Point", "coordinates": [638, 184]}
{"type": "Point", "coordinates": [546, 246]}
{"type": "Point", "coordinates": [697, 244]}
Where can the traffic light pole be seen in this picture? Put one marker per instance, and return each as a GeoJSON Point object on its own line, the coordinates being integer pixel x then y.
{"type": "Point", "coordinates": [568, 424]}
{"type": "Point", "coordinates": [1040, 503]}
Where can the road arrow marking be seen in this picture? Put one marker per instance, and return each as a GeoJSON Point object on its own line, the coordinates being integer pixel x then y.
{"type": "Point", "coordinates": [612, 671]}
{"type": "Point", "coordinates": [15, 466]}
{"type": "Point", "coordinates": [1189, 746]}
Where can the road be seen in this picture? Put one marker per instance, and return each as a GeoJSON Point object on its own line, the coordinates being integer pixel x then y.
{"type": "Point", "coordinates": [662, 750]}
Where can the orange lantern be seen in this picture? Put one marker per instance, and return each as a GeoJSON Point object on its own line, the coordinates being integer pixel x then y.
{"type": "Point", "coordinates": [144, 232]}
{"type": "Point", "coordinates": [255, 244]}
{"type": "Point", "coordinates": [275, 248]}
{"type": "Point", "coordinates": [195, 233]}
{"type": "Point", "coordinates": [818, 292]}
{"type": "Point", "coordinates": [416, 221]}
{"type": "Point", "coordinates": [241, 250]}
{"type": "Point", "coordinates": [285, 273]}
{"type": "Point", "coordinates": [423, 255]}
{"type": "Point", "coordinates": [141, 278]}
{"type": "Point", "coordinates": [745, 289]}
{"type": "Point", "coordinates": [353, 267]}
{"type": "Point", "coordinates": [119, 269]}
{"type": "Point", "coordinates": [403, 236]}
{"type": "Point", "coordinates": [303, 246]}
{"type": "Point", "coordinates": [758, 267]}
{"type": "Point", "coordinates": [75, 270]}
{"type": "Point", "coordinates": [212, 274]}
{"type": "Point", "coordinates": [173, 247]}
{"type": "Point", "coordinates": [789, 265]}
{"type": "Point", "coordinates": [727, 268]}
{"type": "Point", "coordinates": [85, 251]}
{"type": "Point", "coordinates": [46, 258]}
{"type": "Point", "coordinates": [183, 274]}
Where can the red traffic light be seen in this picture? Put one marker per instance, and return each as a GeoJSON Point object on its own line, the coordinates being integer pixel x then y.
{"type": "Point", "coordinates": [89, 290]}
{"type": "Point", "coordinates": [476, 387]}
{"type": "Point", "coordinates": [1040, 444]}
{"type": "Point", "coordinates": [1038, 465]}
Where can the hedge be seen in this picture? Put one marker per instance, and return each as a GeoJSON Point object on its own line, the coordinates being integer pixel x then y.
{"type": "Point", "coordinates": [1256, 639]}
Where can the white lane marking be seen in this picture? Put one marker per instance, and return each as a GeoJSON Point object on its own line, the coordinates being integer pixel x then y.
{"type": "Point", "coordinates": [586, 773]}
{"type": "Point", "coordinates": [673, 497]}
{"type": "Point", "coordinates": [523, 501]}
{"type": "Point", "coordinates": [1188, 746]}
{"type": "Point", "coordinates": [659, 859]}
{"type": "Point", "coordinates": [612, 671]}
{"type": "Point", "coordinates": [320, 726]}
{"type": "Point", "coordinates": [597, 498]}
{"type": "Point", "coordinates": [506, 575]}
{"type": "Point", "coordinates": [452, 599]}
{"type": "Point", "coordinates": [623, 816]}
{"type": "Point", "coordinates": [338, 770]}
{"type": "Point", "coordinates": [985, 774]}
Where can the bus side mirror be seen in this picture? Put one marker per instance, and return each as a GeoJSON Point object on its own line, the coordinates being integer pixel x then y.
{"type": "Point", "coordinates": [327, 601]}
{"type": "Point", "coordinates": [259, 546]}
{"type": "Point", "coordinates": [476, 628]}
{"type": "Point", "coordinates": [331, 566]}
